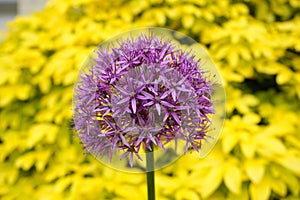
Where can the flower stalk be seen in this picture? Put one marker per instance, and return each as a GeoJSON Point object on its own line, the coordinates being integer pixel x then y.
{"type": "Point", "coordinates": [150, 173]}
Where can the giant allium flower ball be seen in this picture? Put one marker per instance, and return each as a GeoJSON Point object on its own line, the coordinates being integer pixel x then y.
{"type": "Point", "coordinates": [140, 95]}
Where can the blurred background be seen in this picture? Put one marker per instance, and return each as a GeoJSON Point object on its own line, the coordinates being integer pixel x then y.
{"type": "Point", "coordinates": [10, 8]}
{"type": "Point", "coordinates": [254, 43]}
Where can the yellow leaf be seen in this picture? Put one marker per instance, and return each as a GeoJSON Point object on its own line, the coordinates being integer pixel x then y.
{"type": "Point", "coordinates": [160, 17]}
{"type": "Point", "coordinates": [233, 178]}
{"type": "Point", "coordinates": [186, 194]}
{"type": "Point", "coordinates": [188, 9]}
{"type": "Point", "coordinates": [279, 187]}
{"type": "Point", "coordinates": [235, 38]}
{"type": "Point", "coordinates": [187, 21]}
{"type": "Point", "coordinates": [22, 91]}
{"type": "Point", "coordinates": [251, 118]}
{"type": "Point", "coordinates": [42, 158]}
{"type": "Point", "coordinates": [284, 76]}
{"type": "Point", "coordinates": [207, 15]}
{"type": "Point", "coordinates": [55, 171]}
{"type": "Point", "coordinates": [291, 162]}
{"type": "Point", "coordinates": [246, 71]}
{"type": "Point", "coordinates": [260, 191]}
{"type": "Point", "coordinates": [250, 100]}
{"type": "Point", "coordinates": [25, 161]}
{"type": "Point", "coordinates": [39, 131]}
{"type": "Point", "coordinates": [133, 190]}
{"type": "Point", "coordinates": [222, 51]}
{"type": "Point", "coordinates": [208, 187]}
{"type": "Point", "coordinates": [62, 184]}
{"type": "Point", "coordinates": [70, 78]}
{"type": "Point", "coordinates": [248, 148]}
{"type": "Point", "coordinates": [291, 181]}
{"type": "Point", "coordinates": [8, 174]}
{"type": "Point", "coordinates": [228, 142]}
{"type": "Point", "coordinates": [255, 170]}
{"type": "Point", "coordinates": [163, 181]}
{"type": "Point", "coordinates": [13, 175]}
{"type": "Point", "coordinates": [232, 57]}
{"type": "Point", "coordinates": [4, 189]}
{"type": "Point", "coordinates": [232, 76]}
{"type": "Point", "coordinates": [270, 68]}
{"type": "Point", "coordinates": [174, 13]}
{"type": "Point", "coordinates": [245, 53]}
{"type": "Point", "coordinates": [295, 141]}
{"type": "Point", "coordinates": [10, 140]}
{"type": "Point", "coordinates": [243, 195]}
{"type": "Point", "coordinates": [10, 75]}
{"type": "Point", "coordinates": [45, 85]}
{"type": "Point", "coordinates": [271, 145]}
{"type": "Point", "coordinates": [46, 115]}
{"type": "Point", "coordinates": [7, 94]}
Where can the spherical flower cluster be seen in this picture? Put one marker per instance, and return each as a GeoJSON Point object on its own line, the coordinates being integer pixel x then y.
{"type": "Point", "coordinates": [142, 95]}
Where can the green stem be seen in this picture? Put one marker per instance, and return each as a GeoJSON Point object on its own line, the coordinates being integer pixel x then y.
{"type": "Point", "coordinates": [150, 173]}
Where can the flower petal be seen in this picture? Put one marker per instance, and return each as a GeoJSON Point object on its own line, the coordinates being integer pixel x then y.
{"type": "Point", "coordinates": [123, 100]}
{"type": "Point", "coordinates": [146, 94]}
{"type": "Point", "coordinates": [175, 116]}
{"type": "Point", "coordinates": [124, 140]}
{"type": "Point", "coordinates": [149, 136]}
{"type": "Point", "coordinates": [158, 108]}
{"type": "Point", "coordinates": [150, 103]}
{"type": "Point", "coordinates": [174, 95]}
{"type": "Point", "coordinates": [165, 94]}
{"type": "Point", "coordinates": [142, 97]}
{"type": "Point", "coordinates": [166, 116]}
{"type": "Point", "coordinates": [133, 104]}
{"type": "Point", "coordinates": [122, 90]}
{"type": "Point", "coordinates": [131, 159]}
{"type": "Point", "coordinates": [167, 104]}
{"type": "Point", "coordinates": [124, 155]}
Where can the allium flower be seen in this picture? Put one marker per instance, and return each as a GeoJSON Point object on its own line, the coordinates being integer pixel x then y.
{"type": "Point", "coordinates": [142, 94]}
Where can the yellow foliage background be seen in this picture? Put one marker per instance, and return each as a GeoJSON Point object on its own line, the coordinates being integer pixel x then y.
{"type": "Point", "coordinates": [256, 45]}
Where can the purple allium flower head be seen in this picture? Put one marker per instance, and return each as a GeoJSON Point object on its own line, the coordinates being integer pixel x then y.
{"type": "Point", "coordinates": [141, 95]}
